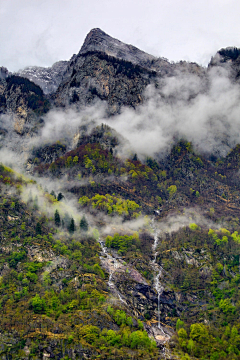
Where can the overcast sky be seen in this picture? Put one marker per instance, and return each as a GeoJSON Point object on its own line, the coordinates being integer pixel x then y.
{"type": "Point", "coordinates": [40, 32]}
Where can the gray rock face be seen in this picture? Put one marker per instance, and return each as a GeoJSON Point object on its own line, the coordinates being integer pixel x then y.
{"type": "Point", "coordinates": [47, 78]}
{"type": "Point", "coordinates": [98, 76]}
{"type": "Point", "coordinates": [98, 41]}
{"type": "Point", "coordinates": [107, 69]}
{"type": "Point", "coordinates": [23, 101]}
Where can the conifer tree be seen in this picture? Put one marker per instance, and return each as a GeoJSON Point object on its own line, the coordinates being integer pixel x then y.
{"type": "Point", "coordinates": [57, 218]}
{"type": "Point", "coordinates": [38, 229]}
{"type": "Point", "coordinates": [83, 224]}
{"type": "Point", "coordinates": [72, 226]}
{"type": "Point", "coordinates": [60, 197]}
{"type": "Point", "coordinates": [135, 158]}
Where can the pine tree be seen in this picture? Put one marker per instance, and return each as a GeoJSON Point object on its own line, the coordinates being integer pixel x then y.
{"type": "Point", "coordinates": [38, 229]}
{"type": "Point", "coordinates": [72, 226]}
{"type": "Point", "coordinates": [60, 197]}
{"type": "Point", "coordinates": [57, 218]}
{"type": "Point", "coordinates": [83, 224]}
{"type": "Point", "coordinates": [135, 158]}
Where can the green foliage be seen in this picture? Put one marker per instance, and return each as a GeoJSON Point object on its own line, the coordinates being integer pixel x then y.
{"type": "Point", "coordinates": [112, 205]}
{"type": "Point", "coordinates": [193, 226]}
{"type": "Point", "coordinates": [203, 342]}
{"type": "Point", "coordinates": [16, 257]}
{"type": "Point", "coordinates": [226, 306]}
{"type": "Point", "coordinates": [38, 304]}
{"type": "Point", "coordinates": [123, 243]}
{"type": "Point", "coordinates": [182, 333]}
{"type": "Point", "coordinates": [69, 162]}
{"type": "Point", "coordinates": [180, 324]}
{"type": "Point", "coordinates": [172, 189]}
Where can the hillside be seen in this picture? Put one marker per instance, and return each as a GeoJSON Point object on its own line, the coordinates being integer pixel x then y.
{"type": "Point", "coordinates": [120, 207]}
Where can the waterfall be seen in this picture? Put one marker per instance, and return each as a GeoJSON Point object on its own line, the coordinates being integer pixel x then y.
{"type": "Point", "coordinates": [158, 271]}
{"type": "Point", "coordinates": [116, 264]}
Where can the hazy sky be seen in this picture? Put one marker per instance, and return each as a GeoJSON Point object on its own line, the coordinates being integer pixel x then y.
{"type": "Point", "coordinates": [40, 32]}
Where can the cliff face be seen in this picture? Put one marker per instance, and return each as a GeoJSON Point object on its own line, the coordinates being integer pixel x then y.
{"type": "Point", "coordinates": [23, 101]}
{"type": "Point", "coordinates": [97, 75]}
{"type": "Point", "coordinates": [99, 41]}
{"type": "Point", "coordinates": [118, 73]}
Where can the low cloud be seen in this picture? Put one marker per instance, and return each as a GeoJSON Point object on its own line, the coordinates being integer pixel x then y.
{"type": "Point", "coordinates": [203, 110]}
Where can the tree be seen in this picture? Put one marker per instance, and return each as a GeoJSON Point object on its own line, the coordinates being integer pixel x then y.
{"type": "Point", "coordinates": [172, 190]}
{"type": "Point", "coordinates": [38, 229]}
{"type": "Point", "coordinates": [69, 162]}
{"type": "Point", "coordinates": [83, 224]}
{"type": "Point", "coordinates": [57, 218]}
{"type": "Point", "coordinates": [53, 194]}
{"type": "Point", "coordinates": [135, 158]}
{"type": "Point", "coordinates": [75, 160]}
{"type": "Point", "coordinates": [38, 304]}
{"type": "Point", "coordinates": [60, 197]}
{"type": "Point", "coordinates": [72, 226]}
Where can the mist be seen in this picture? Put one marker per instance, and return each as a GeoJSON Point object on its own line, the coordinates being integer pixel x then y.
{"type": "Point", "coordinates": [186, 107]}
{"type": "Point", "coordinates": [203, 110]}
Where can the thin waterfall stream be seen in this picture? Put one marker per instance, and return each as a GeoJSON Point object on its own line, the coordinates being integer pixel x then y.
{"type": "Point", "coordinates": [116, 265]}
{"type": "Point", "coordinates": [158, 271]}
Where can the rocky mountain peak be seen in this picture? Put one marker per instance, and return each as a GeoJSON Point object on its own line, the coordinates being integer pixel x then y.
{"type": "Point", "coordinates": [98, 41]}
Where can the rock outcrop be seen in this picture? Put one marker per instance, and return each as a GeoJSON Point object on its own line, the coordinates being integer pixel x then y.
{"type": "Point", "coordinates": [47, 78]}
{"type": "Point", "coordinates": [23, 101]}
{"type": "Point", "coordinates": [96, 75]}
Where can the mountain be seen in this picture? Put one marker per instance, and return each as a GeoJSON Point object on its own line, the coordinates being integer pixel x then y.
{"type": "Point", "coordinates": [107, 253]}
{"type": "Point", "coordinates": [107, 69]}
